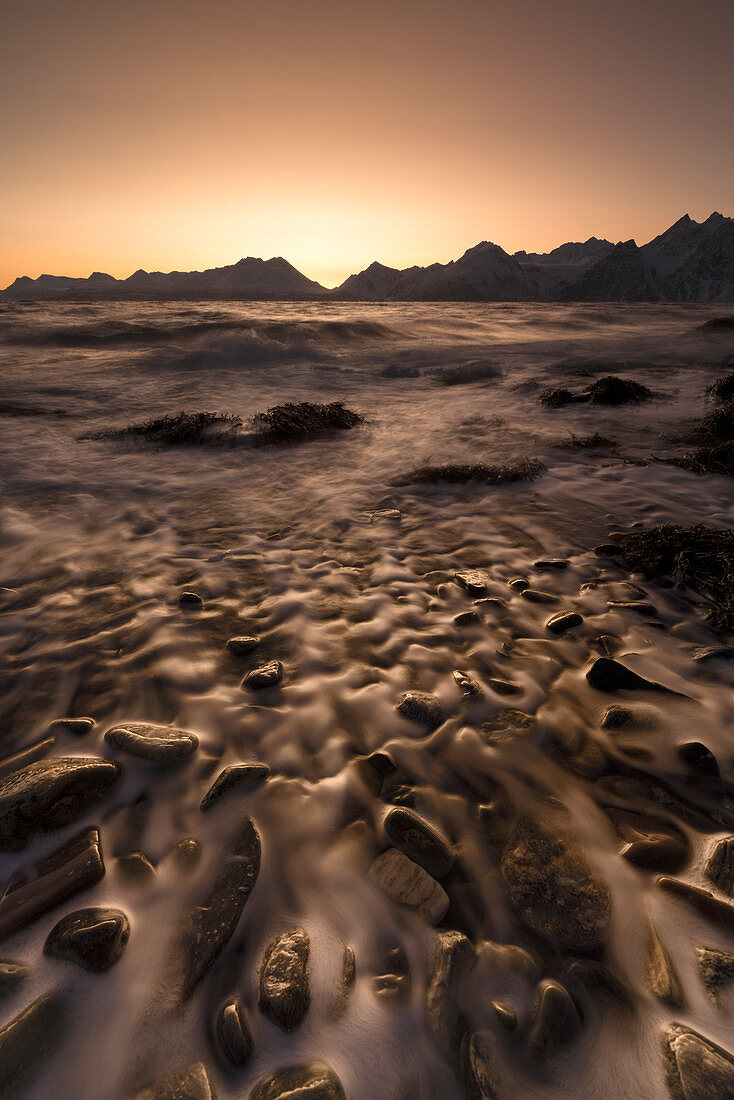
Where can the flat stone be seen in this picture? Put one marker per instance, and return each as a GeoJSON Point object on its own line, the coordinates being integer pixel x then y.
{"type": "Point", "coordinates": [93, 938]}
{"type": "Point", "coordinates": [609, 675]}
{"type": "Point", "coordinates": [504, 687]}
{"type": "Point", "coordinates": [632, 605]}
{"type": "Point", "coordinates": [408, 884]}
{"type": "Point", "coordinates": [475, 581]}
{"type": "Point", "coordinates": [312, 1081]}
{"type": "Point", "coordinates": [233, 1033]}
{"type": "Point", "coordinates": [190, 599]}
{"type": "Point", "coordinates": [421, 707]}
{"type": "Point", "coordinates": [419, 841]}
{"type": "Point", "coordinates": [696, 1068]}
{"type": "Point", "coordinates": [241, 778]}
{"type": "Point", "coordinates": [28, 755]}
{"type": "Point", "coordinates": [479, 1060]}
{"type": "Point", "coordinates": [698, 759]}
{"type": "Point", "coordinates": [39, 887]}
{"type": "Point", "coordinates": [28, 1041]}
{"type": "Point", "coordinates": [265, 676]}
{"type": "Point", "coordinates": [554, 889]}
{"type": "Point", "coordinates": [192, 1084]}
{"type": "Point", "coordinates": [703, 901]}
{"type": "Point", "coordinates": [12, 976]}
{"type": "Point", "coordinates": [209, 926]}
{"type": "Point", "coordinates": [161, 744]}
{"type": "Point", "coordinates": [285, 994]}
{"type": "Point", "coordinates": [537, 595]}
{"type": "Point", "coordinates": [548, 565]}
{"type": "Point", "coordinates": [243, 643]}
{"type": "Point", "coordinates": [720, 866]}
{"type": "Point", "coordinates": [661, 974]}
{"type": "Point", "coordinates": [467, 618]}
{"type": "Point", "coordinates": [49, 794]}
{"type": "Point", "coordinates": [78, 726]}
{"type": "Point", "coordinates": [563, 621]}
{"type": "Point", "coordinates": [557, 1021]}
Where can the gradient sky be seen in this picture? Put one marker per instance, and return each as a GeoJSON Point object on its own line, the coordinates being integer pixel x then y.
{"type": "Point", "coordinates": [184, 135]}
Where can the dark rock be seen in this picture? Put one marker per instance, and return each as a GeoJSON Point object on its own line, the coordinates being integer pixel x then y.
{"type": "Point", "coordinates": [506, 1014]}
{"type": "Point", "coordinates": [717, 970]}
{"type": "Point", "coordinates": [607, 644]}
{"type": "Point", "coordinates": [475, 581]}
{"type": "Point", "coordinates": [702, 901]}
{"type": "Point", "coordinates": [419, 841]}
{"type": "Point", "coordinates": [346, 983]}
{"type": "Point", "coordinates": [192, 1084]}
{"type": "Point", "coordinates": [136, 867]}
{"type": "Point", "coordinates": [556, 1022]}
{"type": "Point", "coordinates": [233, 1034]}
{"type": "Point", "coordinates": [489, 602]}
{"type": "Point", "coordinates": [720, 867]}
{"type": "Point", "coordinates": [409, 884]}
{"type": "Point", "coordinates": [161, 744]}
{"type": "Point", "coordinates": [652, 846]}
{"type": "Point", "coordinates": [285, 994]}
{"type": "Point", "coordinates": [467, 618]}
{"type": "Point", "coordinates": [312, 1081]}
{"type": "Point", "coordinates": [29, 755]}
{"type": "Point", "coordinates": [375, 768]}
{"type": "Point", "coordinates": [243, 643]}
{"type": "Point", "coordinates": [698, 759]}
{"type": "Point", "coordinates": [589, 980]}
{"type": "Point", "coordinates": [12, 975]}
{"type": "Point", "coordinates": [632, 605]}
{"type": "Point", "coordinates": [36, 889]}
{"type": "Point", "coordinates": [77, 726]}
{"type": "Point", "coordinates": [93, 938]}
{"type": "Point", "coordinates": [479, 1060]}
{"type": "Point", "coordinates": [607, 550]}
{"type": "Point", "coordinates": [714, 653]}
{"type": "Point", "coordinates": [421, 707]}
{"type": "Point", "coordinates": [265, 676]}
{"type": "Point", "coordinates": [452, 960]}
{"type": "Point", "coordinates": [466, 685]}
{"type": "Point", "coordinates": [696, 1068]}
{"type": "Point", "coordinates": [536, 595]}
{"type": "Point", "coordinates": [504, 687]}
{"type": "Point", "coordinates": [563, 621]}
{"type": "Point", "coordinates": [553, 888]}
{"type": "Point", "coordinates": [187, 853]}
{"type": "Point", "coordinates": [49, 794]}
{"type": "Point", "coordinates": [611, 676]}
{"type": "Point", "coordinates": [242, 778]}
{"type": "Point", "coordinates": [209, 926]}
{"type": "Point", "coordinates": [618, 718]}
{"type": "Point", "coordinates": [661, 973]}
{"type": "Point", "coordinates": [28, 1041]}
{"type": "Point", "coordinates": [190, 599]}
{"type": "Point", "coordinates": [548, 565]}
{"type": "Point", "coordinates": [518, 584]}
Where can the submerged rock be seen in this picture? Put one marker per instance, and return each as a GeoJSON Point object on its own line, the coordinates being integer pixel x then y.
{"type": "Point", "coordinates": [242, 778]}
{"type": "Point", "coordinates": [285, 994]}
{"type": "Point", "coordinates": [557, 1020]}
{"type": "Point", "coordinates": [696, 1068]}
{"type": "Point", "coordinates": [190, 599]}
{"type": "Point", "coordinates": [453, 956]}
{"type": "Point", "coordinates": [716, 969]}
{"type": "Point", "coordinates": [210, 925]}
{"type": "Point", "coordinates": [467, 618]}
{"type": "Point", "coordinates": [554, 889]}
{"type": "Point", "coordinates": [28, 1041]}
{"type": "Point", "coordinates": [467, 686]}
{"type": "Point", "coordinates": [233, 1033]}
{"type": "Point", "coordinates": [161, 744]}
{"type": "Point", "coordinates": [312, 1081]}
{"type": "Point", "coordinates": [720, 867]}
{"type": "Point", "coordinates": [243, 643]}
{"type": "Point", "coordinates": [39, 887]}
{"type": "Point", "coordinates": [265, 676]}
{"type": "Point", "coordinates": [608, 675]}
{"type": "Point", "coordinates": [192, 1084]}
{"type": "Point", "coordinates": [563, 621]}
{"type": "Point", "coordinates": [408, 884]}
{"type": "Point", "coordinates": [720, 912]}
{"type": "Point", "coordinates": [661, 973]}
{"type": "Point", "coordinates": [93, 938]}
{"type": "Point", "coordinates": [698, 759]}
{"type": "Point", "coordinates": [136, 867]}
{"type": "Point", "coordinates": [421, 707]}
{"type": "Point", "coordinates": [49, 794]}
{"type": "Point", "coordinates": [419, 841]}
{"type": "Point", "coordinates": [77, 726]}
{"type": "Point", "coordinates": [479, 1066]}
{"type": "Point", "coordinates": [12, 975]}
{"type": "Point", "coordinates": [537, 595]}
{"type": "Point", "coordinates": [475, 581]}
{"type": "Point", "coordinates": [546, 565]}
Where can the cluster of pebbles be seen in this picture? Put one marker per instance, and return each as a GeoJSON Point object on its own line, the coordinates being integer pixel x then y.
{"type": "Point", "coordinates": [489, 870]}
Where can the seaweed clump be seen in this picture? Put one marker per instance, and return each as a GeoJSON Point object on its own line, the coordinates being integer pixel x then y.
{"type": "Point", "coordinates": [723, 388]}
{"type": "Point", "coordinates": [296, 421]}
{"type": "Point", "coordinates": [184, 429]}
{"type": "Point", "coordinates": [595, 442]}
{"type": "Point", "coordinates": [460, 474]}
{"type": "Point", "coordinates": [467, 372]}
{"type": "Point", "coordinates": [609, 390]}
{"type": "Point", "coordinates": [700, 557]}
{"type": "Point", "coordinates": [716, 455]}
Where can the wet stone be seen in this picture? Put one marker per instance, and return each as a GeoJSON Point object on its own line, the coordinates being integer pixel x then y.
{"type": "Point", "coordinates": [135, 867]}
{"type": "Point", "coordinates": [504, 687]}
{"type": "Point", "coordinates": [453, 956]}
{"type": "Point", "coordinates": [243, 643]}
{"type": "Point", "coordinates": [467, 686]}
{"type": "Point", "coordinates": [607, 550]}
{"type": "Point", "coordinates": [467, 618]}
{"type": "Point", "coordinates": [632, 605]}
{"type": "Point", "coordinates": [240, 778]}
{"type": "Point", "coordinates": [698, 759]}
{"type": "Point", "coordinates": [554, 889]}
{"type": "Point", "coordinates": [591, 981]}
{"type": "Point", "coordinates": [506, 1014]}
{"type": "Point", "coordinates": [187, 853]}
{"type": "Point", "coordinates": [661, 974]}
{"type": "Point", "coordinates": [474, 581]}
{"type": "Point", "coordinates": [556, 1022]}
{"type": "Point", "coordinates": [312, 1081]}
{"type": "Point", "coordinates": [720, 866]}
{"type": "Point", "coordinates": [618, 718]}
{"type": "Point", "coordinates": [161, 744]}
{"type": "Point", "coordinates": [716, 969]}
{"type": "Point", "coordinates": [190, 599]}
{"type": "Point", "coordinates": [696, 1068]}
{"type": "Point", "coordinates": [28, 1041]}
{"type": "Point", "coordinates": [714, 653]}
{"type": "Point", "coordinates": [548, 565]}
{"type": "Point", "coordinates": [78, 726]}
{"type": "Point", "coordinates": [49, 794]}
{"type": "Point", "coordinates": [346, 982]}
{"type": "Point", "coordinates": [12, 975]}
{"type": "Point", "coordinates": [479, 1061]}
{"type": "Point", "coordinates": [93, 938]}
{"type": "Point", "coordinates": [507, 726]}
{"type": "Point", "coordinates": [39, 887]}
{"type": "Point", "coordinates": [518, 584]}
{"type": "Point", "coordinates": [192, 1084]}
{"type": "Point", "coordinates": [408, 884]}
{"type": "Point", "coordinates": [563, 621]}
{"type": "Point", "coordinates": [608, 675]}
{"type": "Point", "coordinates": [537, 595]}
{"type": "Point", "coordinates": [703, 901]}
{"type": "Point", "coordinates": [28, 755]}
{"type": "Point", "coordinates": [421, 707]}
{"type": "Point", "coordinates": [285, 994]}
{"type": "Point", "coordinates": [265, 676]}
{"type": "Point", "coordinates": [233, 1033]}
{"type": "Point", "coordinates": [419, 841]}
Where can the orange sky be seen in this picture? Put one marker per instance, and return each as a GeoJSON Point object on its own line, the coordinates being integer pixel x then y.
{"type": "Point", "coordinates": [185, 135]}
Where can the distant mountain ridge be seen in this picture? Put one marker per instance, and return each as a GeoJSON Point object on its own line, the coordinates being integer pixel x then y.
{"type": "Point", "coordinates": [690, 262]}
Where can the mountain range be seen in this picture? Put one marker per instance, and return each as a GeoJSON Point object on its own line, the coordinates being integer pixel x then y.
{"type": "Point", "coordinates": [690, 262]}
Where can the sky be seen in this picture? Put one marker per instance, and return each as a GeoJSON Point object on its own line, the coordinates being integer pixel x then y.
{"type": "Point", "coordinates": [183, 135]}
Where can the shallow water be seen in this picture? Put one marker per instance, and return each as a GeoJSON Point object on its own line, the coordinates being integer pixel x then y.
{"type": "Point", "coordinates": [100, 537]}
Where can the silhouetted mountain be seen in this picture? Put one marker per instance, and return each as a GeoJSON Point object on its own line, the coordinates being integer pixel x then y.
{"type": "Point", "coordinates": [690, 261]}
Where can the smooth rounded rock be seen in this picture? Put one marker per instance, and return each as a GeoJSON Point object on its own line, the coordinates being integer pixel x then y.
{"type": "Point", "coordinates": [78, 726]}
{"type": "Point", "coordinates": [190, 599]}
{"type": "Point", "coordinates": [557, 1020]}
{"type": "Point", "coordinates": [243, 643]}
{"type": "Point", "coordinates": [312, 1081]}
{"type": "Point", "coordinates": [265, 676]}
{"type": "Point", "coordinates": [408, 884]}
{"type": "Point", "coordinates": [160, 744]}
{"type": "Point", "coordinates": [233, 1034]}
{"type": "Point", "coordinates": [419, 841]}
{"type": "Point", "coordinates": [698, 759]}
{"type": "Point", "coordinates": [239, 778]}
{"type": "Point", "coordinates": [93, 938]}
{"type": "Point", "coordinates": [563, 621]}
{"type": "Point", "coordinates": [285, 994]}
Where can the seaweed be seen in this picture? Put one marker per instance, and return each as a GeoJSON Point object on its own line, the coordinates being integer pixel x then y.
{"type": "Point", "coordinates": [595, 442]}
{"type": "Point", "coordinates": [467, 372]}
{"type": "Point", "coordinates": [183, 429]}
{"type": "Point", "coordinates": [295, 421]}
{"type": "Point", "coordinates": [556, 399]}
{"type": "Point", "coordinates": [460, 474]}
{"type": "Point", "coordinates": [612, 390]}
{"type": "Point", "coordinates": [723, 388]}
